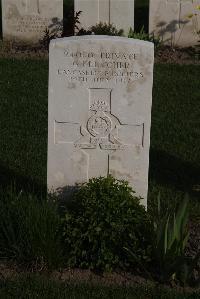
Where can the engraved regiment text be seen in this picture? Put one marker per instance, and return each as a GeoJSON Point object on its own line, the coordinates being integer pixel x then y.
{"type": "Point", "coordinates": [86, 67]}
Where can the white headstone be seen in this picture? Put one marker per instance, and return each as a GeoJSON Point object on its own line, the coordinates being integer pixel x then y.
{"type": "Point", "coordinates": [27, 20]}
{"type": "Point", "coordinates": [118, 12]}
{"type": "Point", "coordinates": [169, 20]}
{"type": "Point", "coordinates": [100, 96]}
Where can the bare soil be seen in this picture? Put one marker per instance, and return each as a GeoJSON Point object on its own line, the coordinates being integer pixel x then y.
{"type": "Point", "coordinates": [78, 276]}
{"type": "Point", "coordinates": [163, 54]}
{"type": "Point", "coordinates": [166, 54]}
{"type": "Point", "coordinates": [11, 50]}
{"type": "Point", "coordinates": [11, 271]}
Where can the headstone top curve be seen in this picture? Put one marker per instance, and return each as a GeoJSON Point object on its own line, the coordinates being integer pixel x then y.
{"type": "Point", "coordinates": [101, 37]}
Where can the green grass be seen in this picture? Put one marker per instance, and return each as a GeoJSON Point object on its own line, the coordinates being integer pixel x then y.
{"type": "Point", "coordinates": [23, 141]}
{"type": "Point", "coordinates": [29, 231]}
{"type": "Point", "coordinates": [175, 134]}
{"type": "Point", "coordinates": [32, 287]}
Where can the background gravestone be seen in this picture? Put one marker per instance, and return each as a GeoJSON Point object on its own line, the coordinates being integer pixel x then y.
{"type": "Point", "coordinates": [27, 20]}
{"type": "Point", "coordinates": [100, 95]}
{"type": "Point", "coordinates": [118, 12]}
{"type": "Point", "coordinates": [169, 20]}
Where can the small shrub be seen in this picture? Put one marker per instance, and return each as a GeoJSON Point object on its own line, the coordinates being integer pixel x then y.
{"type": "Point", "coordinates": [142, 35]}
{"type": "Point", "coordinates": [102, 29]}
{"type": "Point", "coordinates": [48, 36]}
{"type": "Point", "coordinates": [29, 230]}
{"type": "Point", "coordinates": [103, 217]}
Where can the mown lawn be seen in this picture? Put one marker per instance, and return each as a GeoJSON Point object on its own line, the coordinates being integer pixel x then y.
{"type": "Point", "coordinates": [175, 134]}
{"type": "Point", "coordinates": [35, 286]}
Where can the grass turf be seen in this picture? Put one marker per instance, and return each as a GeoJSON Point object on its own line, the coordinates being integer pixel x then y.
{"type": "Point", "coordinates": [175, 133]}
{"type": "Point", "coordinates": [35, 286]}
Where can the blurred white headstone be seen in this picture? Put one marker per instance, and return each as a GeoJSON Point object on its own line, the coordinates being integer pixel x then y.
{"type": "Point", "coordinates": [120, 13]}
{"type": "Point", "coordinates": [170, 21]}
{"type": "Point", "coordinates": [26, 20]}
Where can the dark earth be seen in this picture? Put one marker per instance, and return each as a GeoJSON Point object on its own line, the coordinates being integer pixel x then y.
{"type": "Point", "coordinates": [164, 54]}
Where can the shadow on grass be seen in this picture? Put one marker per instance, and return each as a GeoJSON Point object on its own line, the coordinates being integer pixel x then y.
{"type": "Point", "coordinates": [169, 170]}
{"type": "Point", "coordinates": [165, 170]}
{"type": "Point", "coordinates": [10, 177]}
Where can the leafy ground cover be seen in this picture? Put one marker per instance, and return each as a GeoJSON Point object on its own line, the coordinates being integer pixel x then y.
{"type": "Point", "coordinates": [175, 149]}
{"type": "Point", "coordinates": [35, 286]}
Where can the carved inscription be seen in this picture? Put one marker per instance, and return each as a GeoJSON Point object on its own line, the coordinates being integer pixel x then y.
{"type": "Point", "coordinates": [117, 67]}
{"type": "Point", "coordinates": [31, 24]}
{"type": "Point", "coordinates": [26, 18]}
{"type": "Point", "coordinates": [102, 128]}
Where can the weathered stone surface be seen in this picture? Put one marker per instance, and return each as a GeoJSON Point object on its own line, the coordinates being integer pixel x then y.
{"type": "Point", "coordinates": [100, 95]}
{"type": "Point", "coordinates": [169, 19]}
{"type": "Point", "coordinates": [118, 12]}
{"type": "Point", "coordinates": [27, 20]}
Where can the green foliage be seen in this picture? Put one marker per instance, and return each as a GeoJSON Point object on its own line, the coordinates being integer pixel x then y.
{"type": "Point", "coordinates": [171, 236]}
{"type": "Point", "coordinates": [169, 241]}
{"type": "Point", "coordinates": [47, 37]}
{"type": "Point", "coordinates": [142, 35]}
{"type": "Point", "coordinates": [106, 29]}
{"type": "Point", "coordinates": [102, 29]}
{"type": "Point", "coordinates": [104, 216]}
{"type": "Point", "coordinates": [76, 21]}
{"type": "Point", "coordinates": [29, 230]}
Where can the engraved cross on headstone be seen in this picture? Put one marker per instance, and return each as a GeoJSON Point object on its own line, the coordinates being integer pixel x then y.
{"type": "Point", "coordinates": [103, 131]}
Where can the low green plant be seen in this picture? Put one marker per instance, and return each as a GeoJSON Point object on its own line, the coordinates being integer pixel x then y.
{"type": "Point", "coordinates": [102, 29]}
{"type": "Point", "coordinates": [169, 261]}
{"type": "Point", "coordinates": [47, 37]}
{"type": "Point", "coordinates": [106, 29]}
{"type": "Point", "coordinates": [103, 217]}
{"type": "Point", "coordinates": [171, 236]}
{"type": "Point", "coordinates": [142, 35]}
{"type": "Point", "coordinates": [29, 230]}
